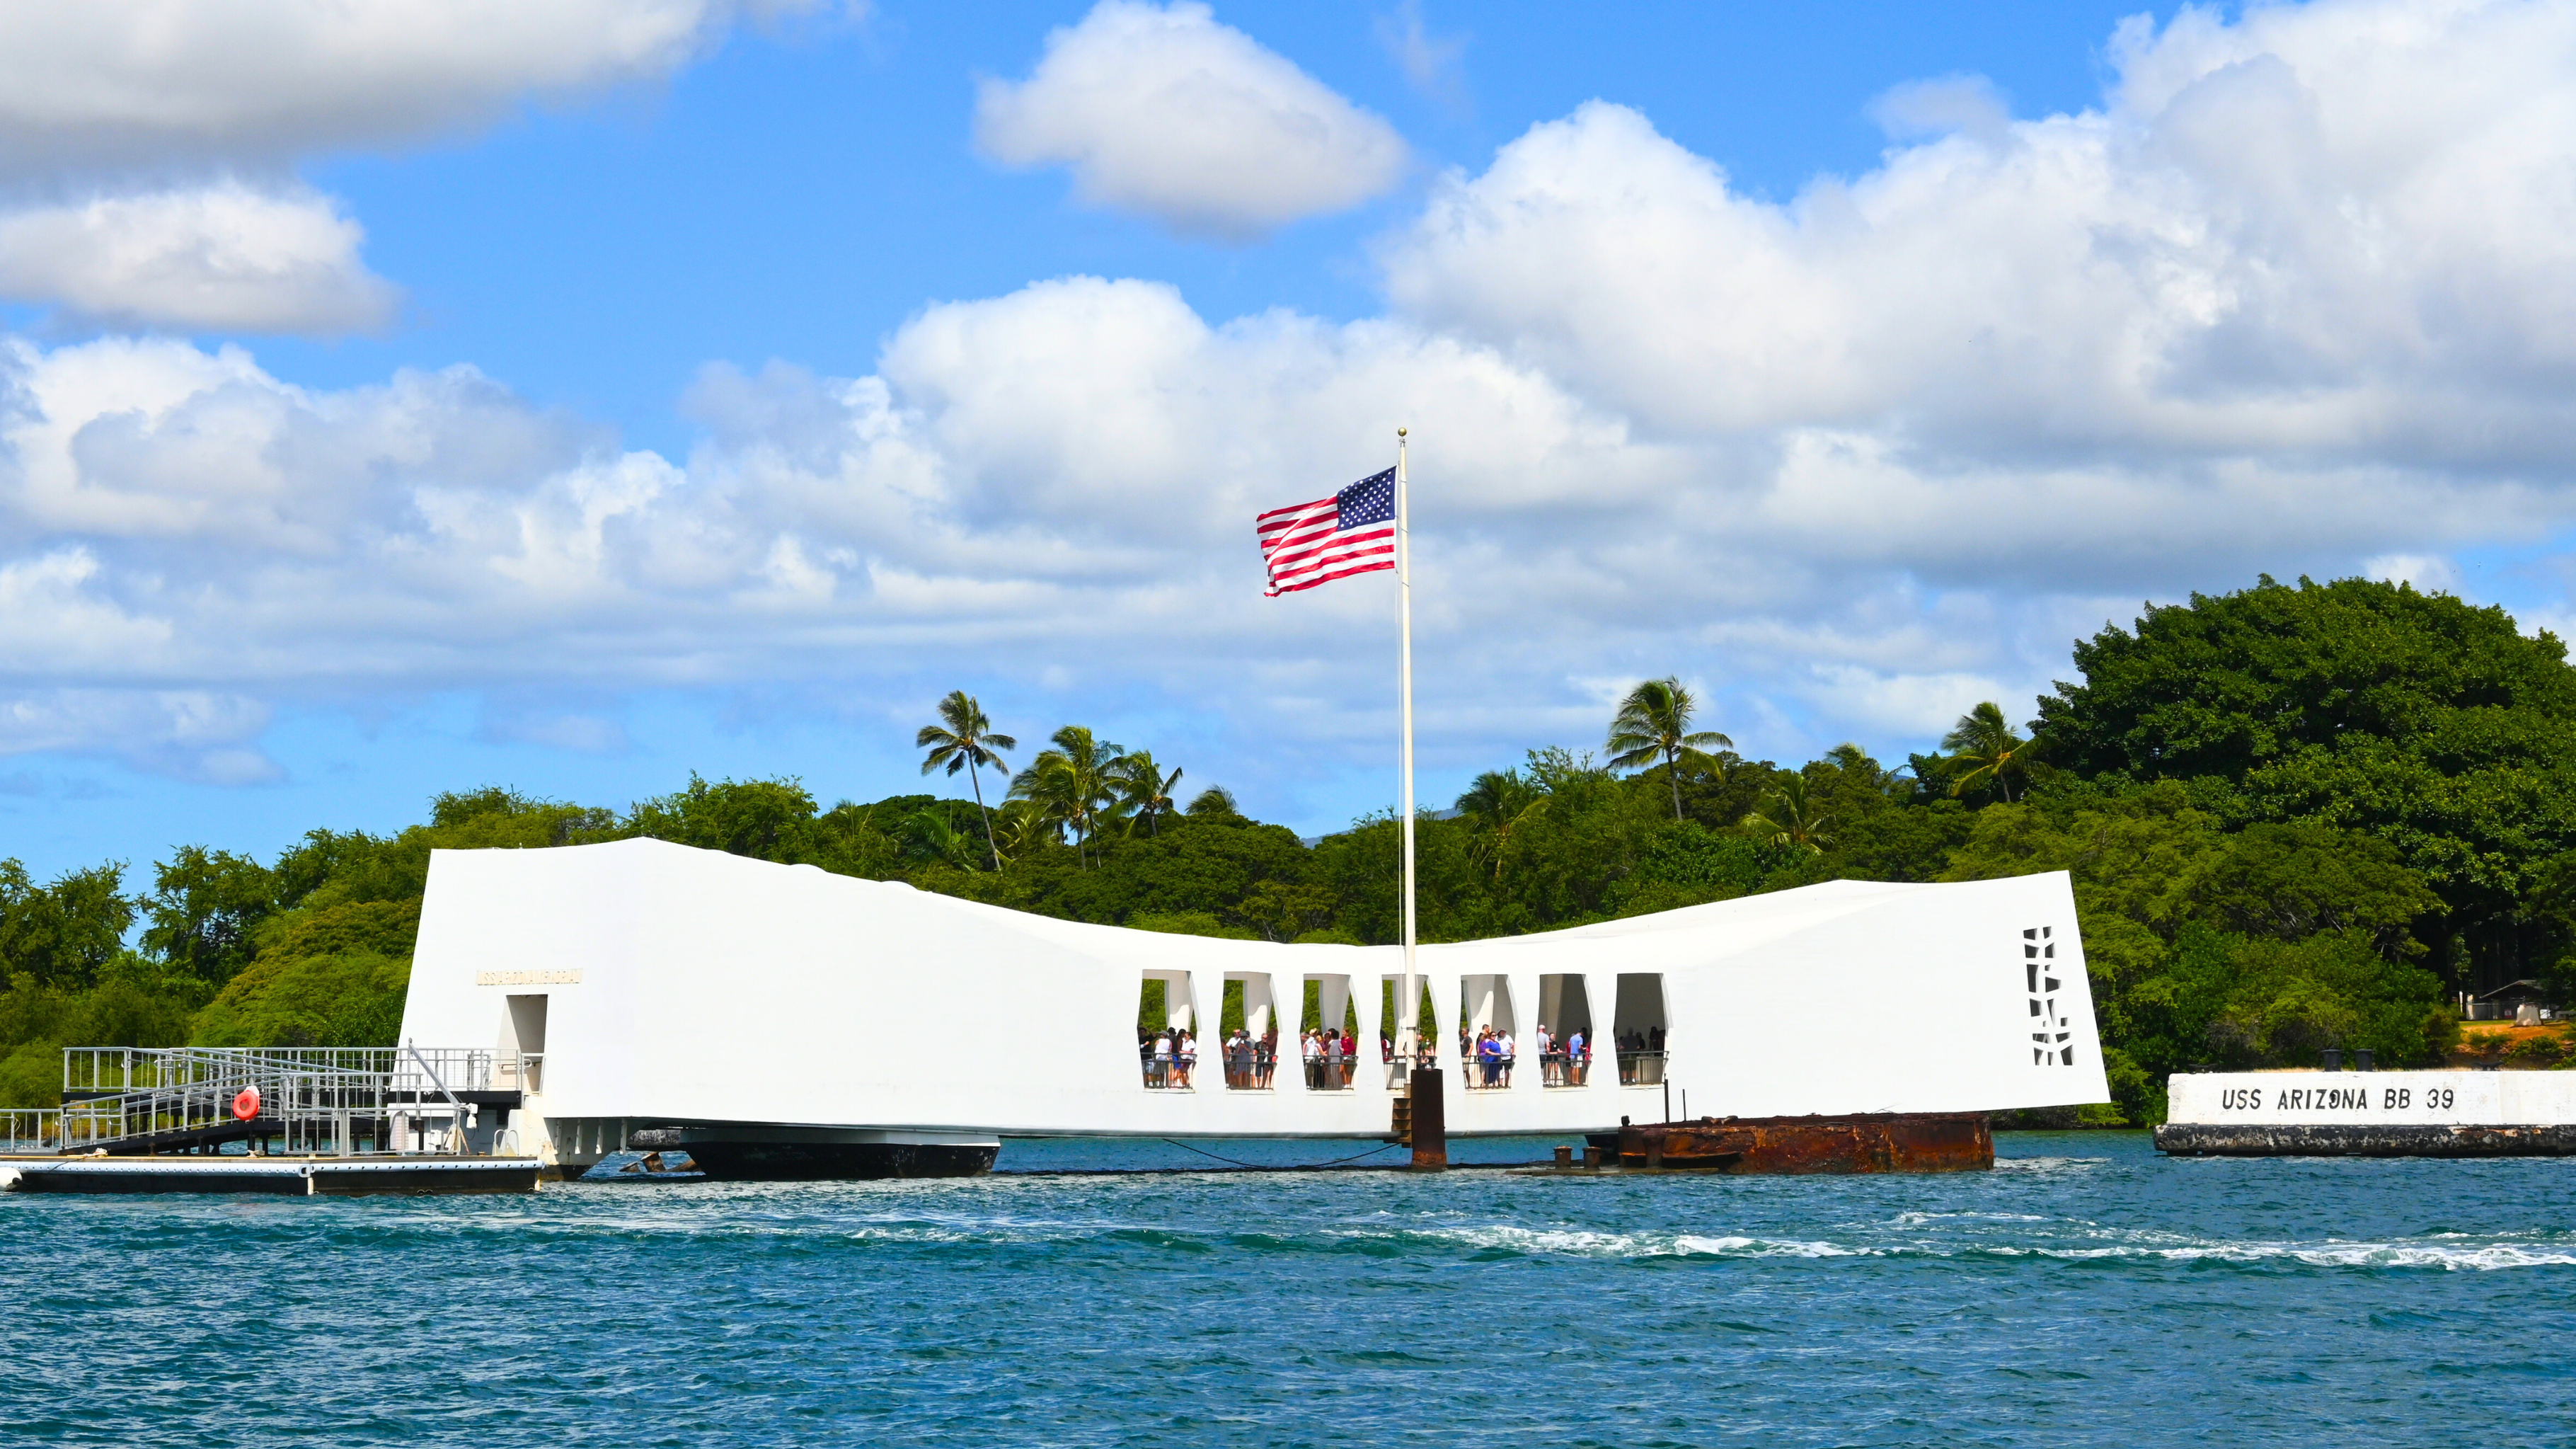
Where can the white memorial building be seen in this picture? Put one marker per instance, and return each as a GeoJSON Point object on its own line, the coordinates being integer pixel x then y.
{"type": "Point", "coordinates": [782, 1021]}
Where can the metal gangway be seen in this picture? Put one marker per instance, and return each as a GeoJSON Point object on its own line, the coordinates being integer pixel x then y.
{"type": "Point", "coordinates": [30, 1130]}
{"type": "Point", "coordinates": [128, 1100]}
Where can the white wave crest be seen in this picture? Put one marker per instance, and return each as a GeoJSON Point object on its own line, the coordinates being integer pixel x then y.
{"type": "Point", "coordinates": [1740, 1247]}
{"type": "Point", "coordinates": [1576, 1242]}
{"type": "Point", "coordinates": [2450, 1257]}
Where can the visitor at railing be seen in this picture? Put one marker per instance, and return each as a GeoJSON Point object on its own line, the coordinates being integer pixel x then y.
{"type": "Point", "coordinates": [1489, 1060]}
{"type": "Point", "coordinates": [1568, 1063]}
{"type": "Point", "coordinates": [1250, 1061]}
{"type": "Point", "coordinates": [1243, 1058]}
{"type": "Point", "coordinates": [1328, 1058]}
{"type": "Point", "coordinates": [1641, 1058]}
{"type": "Point", "coordinates": [1155, 1048]}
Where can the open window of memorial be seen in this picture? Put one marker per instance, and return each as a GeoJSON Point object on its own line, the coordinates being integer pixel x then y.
{"type": "Point", "coordinates": [1564, 1031]}
{"type": "Point", "coordinates": [1248, 1026]}
{"type": "Point", "coordinates": [1328, 1034]}
{"type": "Point", "coordinates": [1403, 1050]}
{"type": "Point", "coordinates": [1638, 1029]}
{"type": "Point", "coordinates": [1488, 1036]}
{"type": "Point", "coordinates": [1167, 1032]}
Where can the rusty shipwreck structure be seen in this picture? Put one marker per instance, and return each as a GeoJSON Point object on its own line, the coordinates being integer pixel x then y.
{"type": "Point", "coordinates": [1862, 1142]}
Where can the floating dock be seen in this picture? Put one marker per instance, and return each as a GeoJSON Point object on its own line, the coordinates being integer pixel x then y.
{"type": "Point", "coordinates": [350, 1120]}
{"type": "Point", "coordinates": [2370, 1114]}
{"type": "Point", "coordinates": [287, 1176]}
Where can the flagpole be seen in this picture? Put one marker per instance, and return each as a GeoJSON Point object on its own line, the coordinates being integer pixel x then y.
{"type": "Point", "coordinates": [1411, 1010]}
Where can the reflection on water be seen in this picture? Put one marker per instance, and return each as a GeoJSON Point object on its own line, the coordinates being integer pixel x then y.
{"type": "Point", "coordinates": [2086, 1292]}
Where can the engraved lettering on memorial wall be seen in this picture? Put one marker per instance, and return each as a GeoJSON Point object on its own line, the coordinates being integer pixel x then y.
{"type": "Point", "coordinates": [2052, 1038]}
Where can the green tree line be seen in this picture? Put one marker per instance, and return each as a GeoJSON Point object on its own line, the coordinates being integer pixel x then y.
{"type": "Point", "coordinates": [2298, 816]}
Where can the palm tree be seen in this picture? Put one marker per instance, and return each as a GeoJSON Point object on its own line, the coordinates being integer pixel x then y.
{"type": "Point", "coordinates": [964, 740]}
{"type": "Point", "coordinates": [1072, 781]}
{"type": "Point", "coordinates": [1142, 788]}
{"type": "Point", "coordinates": [1856, 765]}
{"type": "Point", "coordinates": [1498, 801]}
{"type": "Point", "coordinates": [1214, 800]}
{"type": "Point", "coordinates": [1789, 816]}
{"type": "Point", "coordinates": [1983, 740]}
{"type": "Point", "coordinates": [1022, 826]}
{"type": "Point", "coordinates": [1653, 724]}
{"type": "Point", "coordinates": [930, 831]}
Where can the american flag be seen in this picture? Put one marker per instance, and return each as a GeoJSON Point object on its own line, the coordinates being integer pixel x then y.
{"type": "Point", "coordinates": [1352, 532]}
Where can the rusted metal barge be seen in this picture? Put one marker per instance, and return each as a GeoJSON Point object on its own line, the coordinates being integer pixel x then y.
{"type": "Point", "coordinates": [1861, 1142]}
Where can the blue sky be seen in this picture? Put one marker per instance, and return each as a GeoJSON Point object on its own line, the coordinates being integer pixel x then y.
{"type": "Point", "coordinates": [798, 194]}
{"type": "Point", "coordinates": [421, 401]}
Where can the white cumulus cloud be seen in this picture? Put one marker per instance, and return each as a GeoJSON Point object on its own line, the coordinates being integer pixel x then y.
{"type": "Point", "coordinates": [125, 123]}
{"type": "Point", "coordinates": [2339, 229]}
{"type": "Point", "coordinates": [1166, 113]}
{"type": "Point", "coordinates": [222, 258]}
{"type": "Point", "coordinates": [150, 81]}
{"type": "Point", "coordinates": [189, 734]}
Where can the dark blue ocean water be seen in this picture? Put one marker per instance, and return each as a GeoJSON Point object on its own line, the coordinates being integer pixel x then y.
{"type": "Point", "coordinates": [2085, 1292]}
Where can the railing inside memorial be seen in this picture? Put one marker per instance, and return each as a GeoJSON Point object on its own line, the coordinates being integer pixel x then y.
{"type": "Point", "coordinates": [1167, 1071]}
{"type": "Point", "coordinates": [1330, 1072]}
{"type": "Point", "coordinates": [1559, 1068]}
{"type": "Point", "coordinates": [1640, 1069]}
{"type": "Point", "coordinates": [1252, 1067]}
{"type": "Point", "coordinates": [1400, 1065]}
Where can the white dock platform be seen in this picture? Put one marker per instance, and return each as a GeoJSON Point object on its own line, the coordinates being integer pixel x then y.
{"type": "Point", "coordinates": [289, 1176]}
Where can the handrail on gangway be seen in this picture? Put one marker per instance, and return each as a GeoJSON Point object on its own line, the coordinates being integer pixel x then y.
{"type": "Point", "coordinates": [456, 1123]}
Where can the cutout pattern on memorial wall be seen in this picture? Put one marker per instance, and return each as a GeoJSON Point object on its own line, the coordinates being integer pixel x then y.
{"type": "Point", "coordinates": [2052, 1037]}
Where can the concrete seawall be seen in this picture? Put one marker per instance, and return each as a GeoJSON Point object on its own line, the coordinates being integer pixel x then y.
{"type": "Point", "coordinates": [2394, 1139]}
{"type": "Point", "coordinates": [2370, 1114]}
